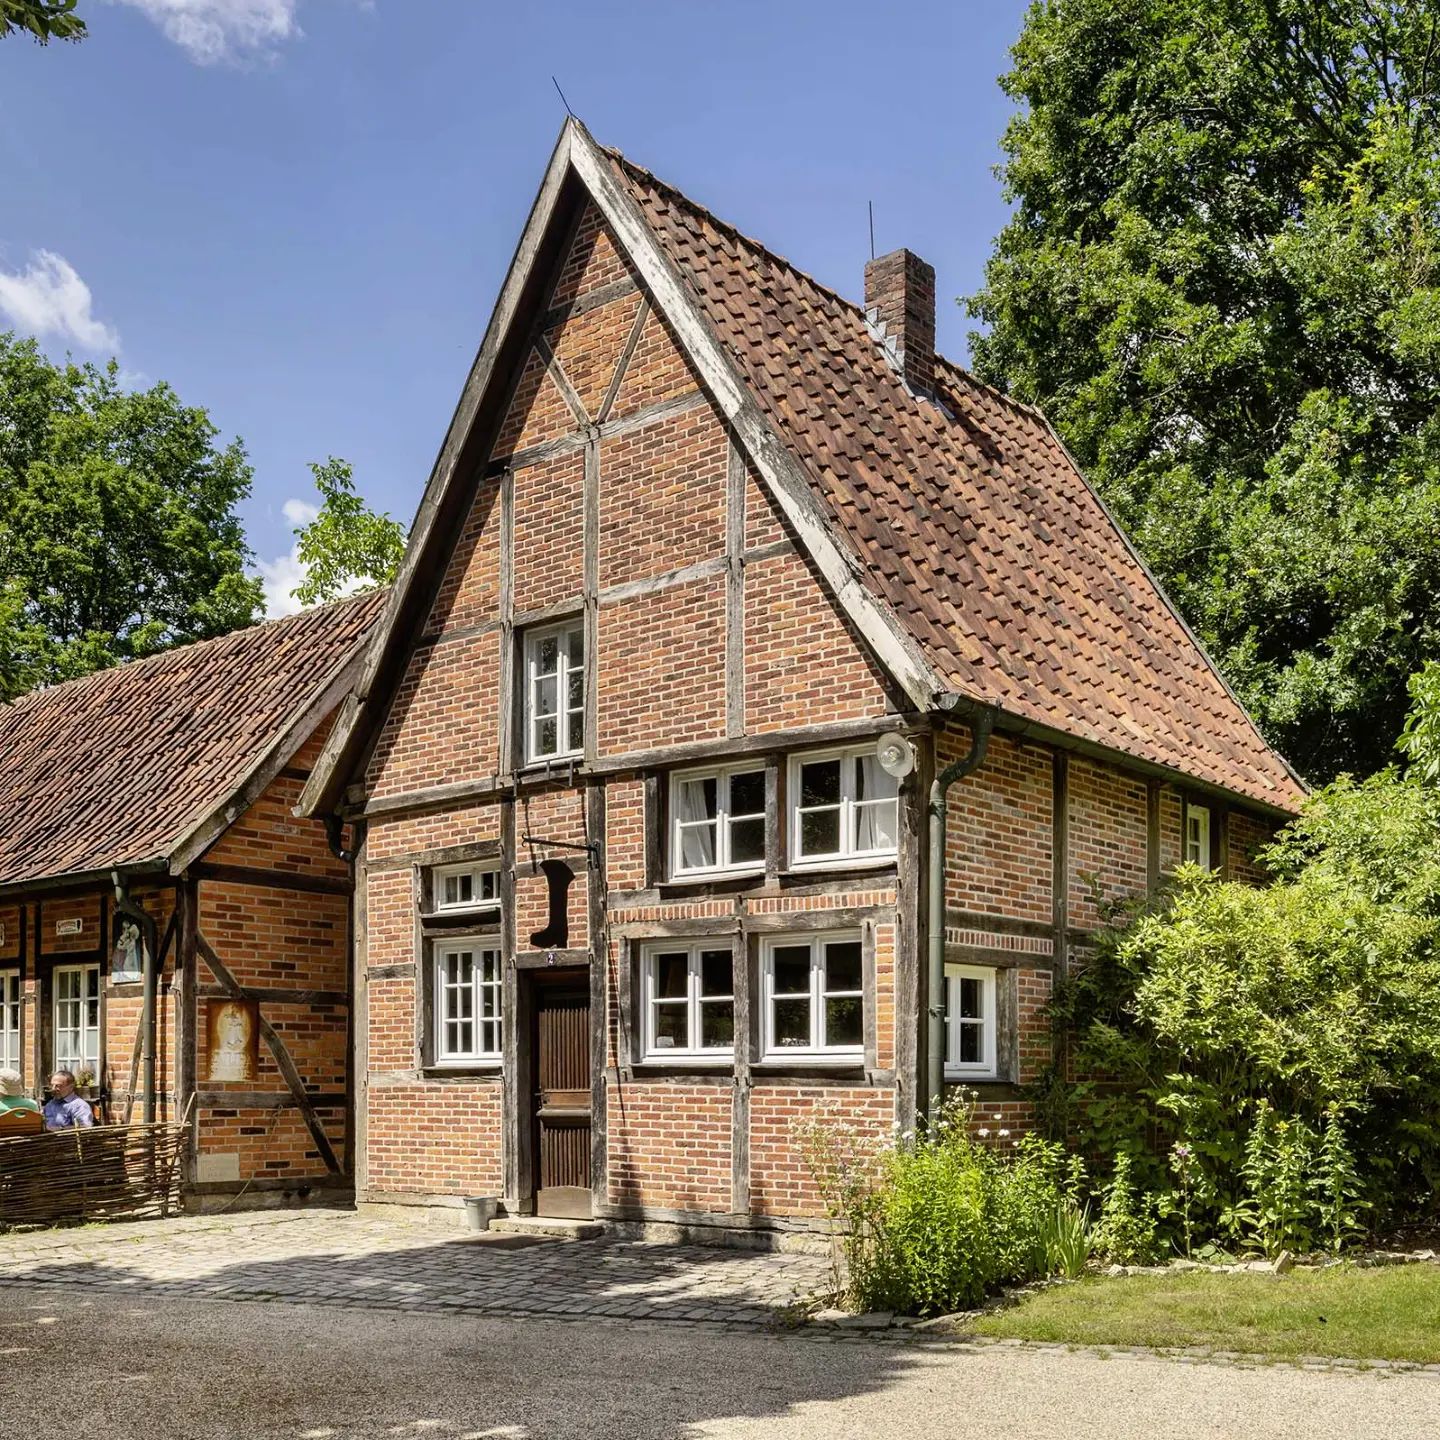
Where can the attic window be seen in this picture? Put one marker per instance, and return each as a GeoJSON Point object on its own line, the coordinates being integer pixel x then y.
{"type": "Point", "coordinates": [1197, 836]}
{"type": "Point", "coordinates": [555, 692]}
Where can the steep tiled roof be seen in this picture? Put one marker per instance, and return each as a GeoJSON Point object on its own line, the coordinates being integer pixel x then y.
{"type": "Point", "coordinates": [975, 526]}
{"type": "Point", "coordinates": [115, 769]}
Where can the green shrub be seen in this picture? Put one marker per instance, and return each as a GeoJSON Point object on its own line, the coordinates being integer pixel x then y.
{"type": "Point", "coordinates": [1128, 1232]}
{"type": "Point", "coordinates": [946, 1215]}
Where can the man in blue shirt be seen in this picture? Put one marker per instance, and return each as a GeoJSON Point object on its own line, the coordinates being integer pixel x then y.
{"type": "Point", "coordinates": [65, 1110]}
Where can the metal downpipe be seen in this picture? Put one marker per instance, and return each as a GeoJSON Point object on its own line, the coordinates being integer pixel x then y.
{"type": "Point", "coordinates": [981, 724]}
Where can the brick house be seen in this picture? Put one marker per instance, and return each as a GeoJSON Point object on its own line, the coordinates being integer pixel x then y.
{"type": "Point", "coordinates": [716, 577]}
{"type": "Point", "coordinates": [166, 923]}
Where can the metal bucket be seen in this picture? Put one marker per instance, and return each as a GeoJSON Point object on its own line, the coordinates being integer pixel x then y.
{"type": "Point", "coordinates": [480, 1210]}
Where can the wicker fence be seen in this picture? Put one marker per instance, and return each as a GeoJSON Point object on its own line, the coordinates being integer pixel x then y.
{"type": "Point", "coordinates": [108, 1172]}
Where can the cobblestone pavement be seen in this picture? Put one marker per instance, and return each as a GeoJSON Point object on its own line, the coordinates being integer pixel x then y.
{"type": "Point", "coordinates": [334, 1257]}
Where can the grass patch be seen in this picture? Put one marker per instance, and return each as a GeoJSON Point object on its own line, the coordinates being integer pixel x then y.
{"type": "Point", "coordinates": [1391, 1313]}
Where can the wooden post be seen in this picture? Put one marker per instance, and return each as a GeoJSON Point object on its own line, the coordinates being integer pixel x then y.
{"type": "Point", "coordinates": [187, 933]}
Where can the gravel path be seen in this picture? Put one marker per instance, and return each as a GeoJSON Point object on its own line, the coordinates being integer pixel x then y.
{"type": "Point", "coordinates": [89, 1362]}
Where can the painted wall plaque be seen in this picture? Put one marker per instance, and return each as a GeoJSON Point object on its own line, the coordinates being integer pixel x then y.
{"type": "Point", "coordinates": [127, 963]}
{"type": "Point", "coordinates": [232, 1039]}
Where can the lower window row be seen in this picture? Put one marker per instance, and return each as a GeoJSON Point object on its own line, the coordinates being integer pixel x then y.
{"type": "Point", "coordinates": [812, 1003]}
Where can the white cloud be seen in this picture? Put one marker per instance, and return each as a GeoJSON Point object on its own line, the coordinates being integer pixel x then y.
{"type": "Point", "coordinates": [212, 31]}
{"type": "Point", "coordinates": [280, 576]}
{"type": "Point", "coordinates": [48, 298]}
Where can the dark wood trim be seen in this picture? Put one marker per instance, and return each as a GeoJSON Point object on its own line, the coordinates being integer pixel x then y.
{"type": "Point", "coordinates": [910, 982]}
{"type": "Point", "coordinates": [445, 855]}
{"type": "Point", "coordinates": [1060, 821]}
{"type": "Point", "coordinates": [657, 850]}
{"type": "Point", "coordinates": [637, 327]}
{"type": "Point", "coordinates": [270, 879]}
{"type": "Point", "coordinates": [402, 969]}
{"type": "Point", "coordinates": [590, 583]}
{"type": "Point", "coordinates": [1152, 834]}
{"type": "Point", "coordinates": [591, 300]}
{"type": "Point", "coordinates": [551, 959]}
{"type": "Point", "coordinates": [997, 959]}
{"type": "Point", "coordinates": [265, 1099]}
{"type": "Point", "coordinates": [275, 995]}
{"type": "Point", "coordinates": [187, 931]}
{"type": "Point", "coordinates": [599, 992]}
{"type": "Point", "coordinates": [357, 1052]}
{"type": "Point", "coordinates": [745, 1009]}
{"type": "Point", "coordinates": [999, 924]}
{"type": "Point", "coordinates": [1220, 840]}
{"type": "Point", "coordinates": [734, 590]}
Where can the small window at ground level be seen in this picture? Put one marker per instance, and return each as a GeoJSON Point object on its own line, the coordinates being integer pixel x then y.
{"type": "Point", "coordinates": [969, 1021]}
{"type": "Point", "coordinates": [77, 1019]}
{"type": "Point", "coordinates": [717, 821]}
{"type": "Point", "coordinates": [1197, 836]}
{"type": "Point", "coordinates": [689, 1000]}
{"type": "Point", "coordinates": [468, 1004]}
{"type": "Point", "coordinates": [555, 692]}
{"type": "Point", "coordinates": [843, 806]}
{"type": "Point", "coordinates": [10, 1020]}
{"type": "Point", "coordinates": [814, 993]}
{"type": "Point", "coordinates": [466, 887]}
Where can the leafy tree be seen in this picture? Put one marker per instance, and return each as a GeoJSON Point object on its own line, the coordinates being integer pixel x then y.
{"type": "Point", "coordinates": [118, 532]}
{"type": "Point", "coordinates": [347, 547]}
{"type": "Point", "coordinates": [46, 20]}
{"type": "Point", "coordinates": [1221, 280]}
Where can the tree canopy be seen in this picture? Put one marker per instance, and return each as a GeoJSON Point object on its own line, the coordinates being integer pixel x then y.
{"type": "Point", "coordinates": [44, 20]}
{"type": "Point", "coordinates": [118, 528]}
{"type": "Point", "coordinates": [347, 547]}
{"type": "Point", "coordinates": [1221, 280]}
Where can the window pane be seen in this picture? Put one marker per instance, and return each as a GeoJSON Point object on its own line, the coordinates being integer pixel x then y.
{"type": "Point", "coordinates": [747, 841]}
{"type": "Point", "coordinates": [697, 846]}
{"type": "Point", "coordinates": [547, 654]}
{"type": "Point", "coordinates": [671, 1024]}
{"type": "Point", "coordinates": [575, 643]}
{"type": "Point", "coordinates": [575, 689]}
{"type": "Point", "coordinates": [717, 1024]}
{"type": "Point", "coordinates": [747, 793]}
{"type": "Point", "coordinates": [792, 1022]}
{"type": "Point", "coordinates": [971, 998]}
{"type": "Point", "coordinates": [842, 1021]}
{"type": "Point", "coordinates": [695, 800]}
{"type": "Point", "coordinates": [820, 832]}
{"type": "Point", "coordinates": [875, 826]}
{"type": "Point", "coordinates": [672, 975]}
{"type": "Point", "coordinates": [820, 783]}
{"type": "Point", "coordinates": [790, 965]}
{"type": "Point", "coordinates": [970, 1045]}
{"type": "Point", "coordinates": [545, 743]}
{"type": "Point", "coordinates": [842, 965]}
{"type": "Point", "coordinates": [546, 690]}
{"type": "Point", "coordinates": [871, 782]}
{"type": "Point", "coordinates": [716, 973]}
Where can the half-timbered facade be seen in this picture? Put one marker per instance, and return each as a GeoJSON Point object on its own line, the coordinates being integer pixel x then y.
{"type": "Point", "coordinates": [169, 930]}
{"type": "Point", "coordinates": [716, 577]}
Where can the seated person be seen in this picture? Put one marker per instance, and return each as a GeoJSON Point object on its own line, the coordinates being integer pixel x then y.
{"type": "Point", "coordinates": [65, 1110]}
{"type": "Point", "coordinates": [19, 1114]}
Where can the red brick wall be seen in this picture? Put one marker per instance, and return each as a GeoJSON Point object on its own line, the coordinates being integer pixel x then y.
{"type": "Point", "coordinates": [1000, 829]}
{"type": "Point", "coordinates": [431, 1139]}
{"type": "Point", "coordinates": [669, 1145]}
{"type": "Point", "coordinates": [780, 1180]}
{"type": "Point", "coordinates": [549, 520]}
{"type": "Point", "coordinates": [1247, 834]}
{"type": "Point", "coordinates": [658, 371]}
{"type": "Point", "coordinates": [1107, 839]}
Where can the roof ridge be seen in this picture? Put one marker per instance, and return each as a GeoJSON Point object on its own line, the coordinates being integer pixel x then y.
{"type": "Point", "coordinates": [189, 648]}
{"type": "Point", "coordinates": [829, 291]}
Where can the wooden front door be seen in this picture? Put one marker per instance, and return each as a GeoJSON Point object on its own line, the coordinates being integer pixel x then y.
{"type": "Point", "coordinates": [562, 1097]}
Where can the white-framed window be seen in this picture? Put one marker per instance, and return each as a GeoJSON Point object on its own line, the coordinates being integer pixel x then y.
{"type": "Point", "coordinates": [969, 1020]}
{"type": "Point", "coordinates": [10, 1020]}
{"type": "Point", "coordinates": [717, 820]}
{"type": "Point", "coordinates": [77, 1018]}
{"type": "Point", "coordinates": [468, 1003]}
{"type": "Point", "coordinates": [814, 996]}
{"type": "Point", "coordinates": [465, 887]}
{"type": "Point", "coordinates": [689, 1000]}
{"type": "Point", "coordinates": [555, 691]}
{"type": "Point", "coordinates": [843, 806]}
{"type": "Point", "coordinates": [1197, 836]}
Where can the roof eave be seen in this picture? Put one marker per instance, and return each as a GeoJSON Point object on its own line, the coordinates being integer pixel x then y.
{"type": "Point", "coordinates": [84, 879]}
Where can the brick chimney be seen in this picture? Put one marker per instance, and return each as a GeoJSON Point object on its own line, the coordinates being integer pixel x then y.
{"type": "Point", "coordinates": [900, 299]}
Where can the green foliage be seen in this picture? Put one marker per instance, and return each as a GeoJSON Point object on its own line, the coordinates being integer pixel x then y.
{"type": "Point", "coordinates": [44, 20]}
{"type": "Point", "coordinates": [118, 531]}
{"type": "Point", "coordinates": [347, 547]}
{"type": "Point", "coordinates": [1128, 1231]}
{"type": "Point", "coordinates": [1420, 738]}
{"type": "Point", "coordinates": [948, 1214]}
{"type": "Point", "coordinates": [1221, 280]}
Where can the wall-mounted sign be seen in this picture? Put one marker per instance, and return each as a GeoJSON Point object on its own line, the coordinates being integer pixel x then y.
{"type": "Point", "coordinates": [127, 960]}
{"type": "Point", "coordinates": [232, 1039]}
{"type": "Point", "coordinates": [69, 927]}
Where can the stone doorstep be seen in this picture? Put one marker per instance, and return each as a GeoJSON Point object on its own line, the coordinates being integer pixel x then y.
{"type": "Point", "coordinates": [556, 1226]}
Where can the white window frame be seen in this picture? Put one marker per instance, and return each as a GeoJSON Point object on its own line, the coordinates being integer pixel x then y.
{"type": "Point", "coordinates": [89, 1035]}
{"type": "Point", "coordinates": [724, 818]}
{"type": "Point", "coordinates": [987, 1067]}
{"type": "Point", "coordinates": [569, 726]}
{"type": "Point", "coordinates": [848, 807]}
{"type": "Point", "coordinates": [817, 1049]}
{"type": "Point", "coordinates": [479, 873]}
{"type": "Point", "coordinates": [1201, 815]}
{"type": "Point", "coordinates": [694, 1002]}
{"type": "Point", "coordinates": [481, 991]}
{"type": "Point", "coordinates": [12, 1021]}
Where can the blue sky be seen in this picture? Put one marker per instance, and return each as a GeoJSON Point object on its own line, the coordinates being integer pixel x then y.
{"type": "Point", "coordinates": [299, 212]}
